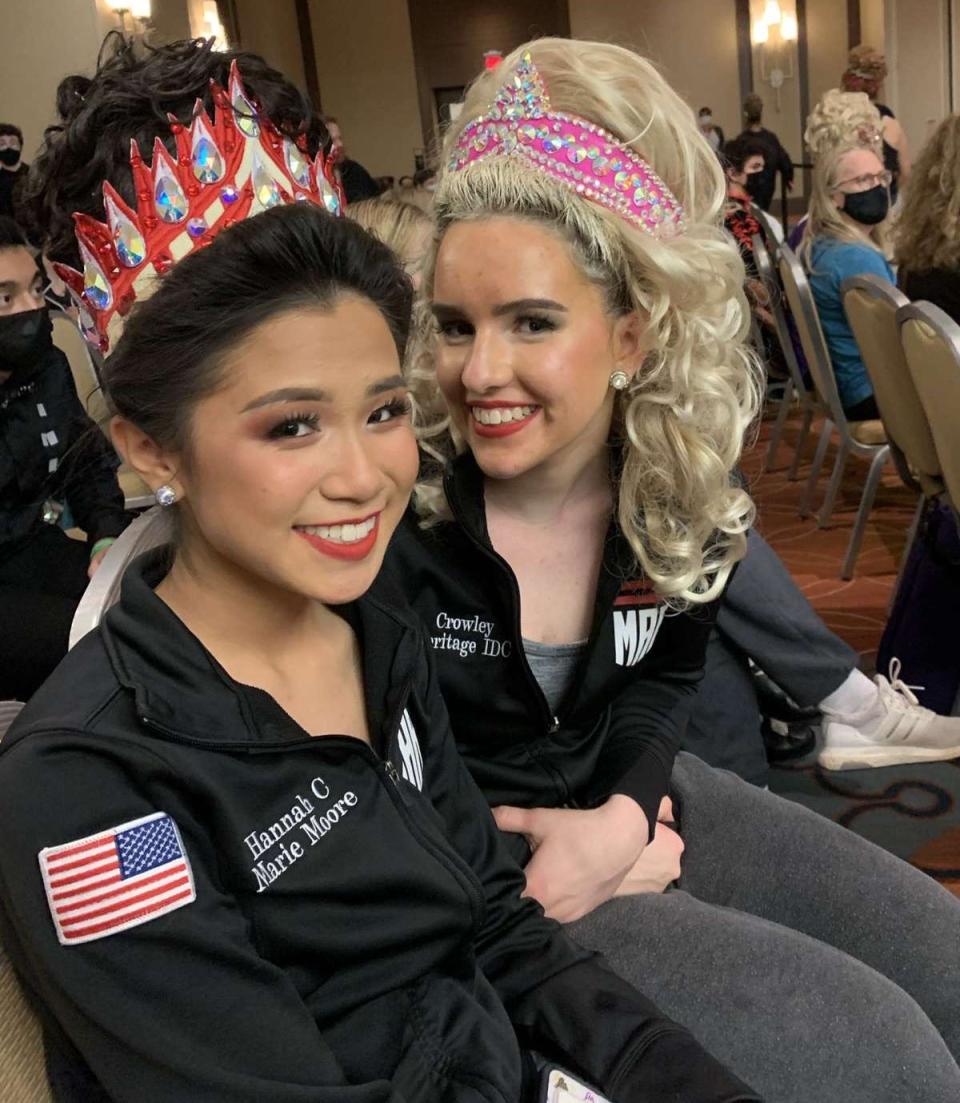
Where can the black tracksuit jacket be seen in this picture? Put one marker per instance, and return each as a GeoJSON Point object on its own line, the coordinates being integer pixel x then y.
{"type": "Point", "coordinates": [382, 953]}
{"type": "Point", "coordinates": [49, 448]}
{"type": "Point", "coordinates": [618, 729]}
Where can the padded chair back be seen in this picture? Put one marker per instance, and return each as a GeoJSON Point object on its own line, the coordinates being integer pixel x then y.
{"type": "Point", "coordinates": [67, 338]}
{"type": "Point", "coordinates": [871, 305]}
{"type": "Point", "coordinates": [931, 344]}
{"type": "Point", "coordinates": [148, 531]}
{"type": "Point", "coordinates": [23, 1075]}
{"type": "Point", "coordinates": [771, 227]}
{"type": "Point", "coordinates": [800, 299]}
{"type": "Point", "coordinates": [768, 277]}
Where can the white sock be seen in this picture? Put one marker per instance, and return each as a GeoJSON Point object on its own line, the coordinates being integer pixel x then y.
{"type": "Point", "coordinates": [857, 694]}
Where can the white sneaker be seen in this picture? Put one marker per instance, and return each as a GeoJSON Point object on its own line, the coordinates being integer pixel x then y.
{"type": "Point", "coordinates": [897, 729]}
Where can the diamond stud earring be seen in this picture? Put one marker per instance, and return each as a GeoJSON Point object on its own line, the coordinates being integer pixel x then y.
{"type": "Point", "coordinates": [619, 380]}
{"type": "Point", "coordinates": [165, 495]}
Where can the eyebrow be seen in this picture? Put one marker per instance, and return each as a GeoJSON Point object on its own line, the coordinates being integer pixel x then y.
{"type": "Point", "coordinates": [445, 310]}
{"type": "Point", "coordinates": [12, 285]}
{"type": "Point", "coordinates": [312, 394]}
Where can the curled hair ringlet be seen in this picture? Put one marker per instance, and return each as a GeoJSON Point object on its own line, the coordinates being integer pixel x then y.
{"type": "Point", "coordinates": [175, 344]}
{"type": "Point", "coordinates": [679, 428]}
{"type": "Point", "coordinates": [927, 232]}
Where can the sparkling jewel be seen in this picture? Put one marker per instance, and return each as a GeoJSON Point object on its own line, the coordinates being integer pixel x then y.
{"type": "Point", "coordinates": [207, 162]}
{"type": "Point", "coordinates": [96, 287]}
{"type": "Point", "coordinates": [197, 227]}
{"type": "Point", "coordinates": [168, 196]}
{"type": "Point", "coordinates": [244, 113]}
{"type": "Point", "coordinates": [88, 327]}
{"type": "Point", "coordinates": [296, 163]}
{"type": "Point", "coordinates": [229, 194]}
{"type": "Point", "coordinates": [129, 242]}
{"type": "Point", "coordinates": [330, 198]}
{"type": "Point", "coordinates": [265, 188]}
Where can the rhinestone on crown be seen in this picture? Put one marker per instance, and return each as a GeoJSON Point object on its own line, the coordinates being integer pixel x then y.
{"type": "Point", "coordinates": [578, 153]}
{"type": "Point", "coordinates": [225, 169]}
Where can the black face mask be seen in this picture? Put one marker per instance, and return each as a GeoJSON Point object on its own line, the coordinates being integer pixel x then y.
{"type": "Point", "coordinates": [9, 157]}
{"type": "Point", "coordinates": [868, 207]}
{"type": "Point", "coordinates": [24, 338]}
{"type": "Point", "coordinates": [754, 184]}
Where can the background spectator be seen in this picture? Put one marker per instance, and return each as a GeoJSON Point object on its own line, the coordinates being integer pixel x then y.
{"type": "Point", "coordinates": [775, 157]}
{"type": "Point", "coordinates": [710, 130]}
{"type": "Point", "coordinates": [866, 71]}
{"type": "Point", "coordinates": [845, 237]}
{"type": "Point", "coordinates": [357, 182]}
{"type": "Point", "coordinates": [51, 456]}
{"type": "Point", "coordinates": [12, 168]}
{"type": "Point", "coordinates": [402, 226]}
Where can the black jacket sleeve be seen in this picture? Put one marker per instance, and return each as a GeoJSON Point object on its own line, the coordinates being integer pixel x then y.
{"type": "Point", "coordinates": [564, 1002]}
{"type": "Point", "coordinates": [180, 1009]}
{"type": "Point", "coordinates": [648, 717]}
{"type": "Point", "coordinates": [88, 471]}
{"type": "Point", "coordinates": [786, 165]}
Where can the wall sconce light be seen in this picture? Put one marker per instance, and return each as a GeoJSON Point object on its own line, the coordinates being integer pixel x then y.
{"type": "Point", "coordinates": [213, 28]}
{"type": "Point", "coordinates": [138, 9]}
{"type": "Point", "coordinates": [774, 34]}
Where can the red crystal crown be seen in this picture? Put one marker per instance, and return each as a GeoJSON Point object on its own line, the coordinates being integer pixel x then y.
{"type": "Point", "coordinates": [224, 171]}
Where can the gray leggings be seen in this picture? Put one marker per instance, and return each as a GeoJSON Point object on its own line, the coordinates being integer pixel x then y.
{"type": "Point", "coordinates": [816, 965]}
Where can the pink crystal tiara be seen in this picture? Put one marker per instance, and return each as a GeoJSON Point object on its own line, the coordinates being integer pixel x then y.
{"type": "Point", "coordinates": [585, 157]}
{"type": "Point", "coordinates": [225, 170]}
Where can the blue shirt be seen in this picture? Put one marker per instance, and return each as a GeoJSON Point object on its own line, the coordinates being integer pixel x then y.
{"type": "Point", "coordinates": [832, 262]}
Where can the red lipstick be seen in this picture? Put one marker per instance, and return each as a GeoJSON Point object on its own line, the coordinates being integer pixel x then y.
{"type": "Point", "coordinates": [353, 552]}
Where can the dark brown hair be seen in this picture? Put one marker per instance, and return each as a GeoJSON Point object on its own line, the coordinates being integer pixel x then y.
{"type": "Point", "coordinates": [129, 96]}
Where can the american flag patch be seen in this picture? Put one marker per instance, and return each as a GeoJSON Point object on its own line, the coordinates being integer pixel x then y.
{"type": "Point", "coordinates": [116, 879]}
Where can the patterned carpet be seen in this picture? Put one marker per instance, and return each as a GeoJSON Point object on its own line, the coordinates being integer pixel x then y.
{"type": "Point", "coordinates": [914, 811]}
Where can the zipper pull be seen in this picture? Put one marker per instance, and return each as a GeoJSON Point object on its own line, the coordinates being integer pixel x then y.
{"type": "Point", "coordinates": [391, 771]}
{"type": "Point", "coordinates": [554, 725]}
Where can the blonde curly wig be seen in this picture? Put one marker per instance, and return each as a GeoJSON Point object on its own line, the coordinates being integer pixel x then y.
{"type": "Point", "coordinates": [928, 229]}
{"type": "Point", "coordinates": [841, 118]}
{"type": "Point", "coordinates": [681, 423]}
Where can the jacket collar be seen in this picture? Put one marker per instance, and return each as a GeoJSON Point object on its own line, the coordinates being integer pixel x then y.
{"type": "Point", "coordinates": [181, 690]}
{"type": "Point", "coordinates": [463, 487]}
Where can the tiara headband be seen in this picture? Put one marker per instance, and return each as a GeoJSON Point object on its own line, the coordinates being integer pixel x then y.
{"type": "Point", "coordinates": [581, 155]}
{"type": "Point", "coordinates": [224, 171]}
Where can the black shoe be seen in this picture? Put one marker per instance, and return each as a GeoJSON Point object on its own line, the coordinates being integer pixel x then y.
{"type": "Point", "coordinates": [784, 742]}
{"type": "Point", "coordinates": [779, 705]}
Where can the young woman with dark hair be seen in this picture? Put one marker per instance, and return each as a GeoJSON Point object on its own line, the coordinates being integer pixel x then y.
{"type": "Point", "coordinates": [261, 871]}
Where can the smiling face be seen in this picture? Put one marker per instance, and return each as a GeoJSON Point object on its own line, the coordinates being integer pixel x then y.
{"type": "Point", "coordinates": [526, 346]}
{"type": "Point", "coordinates": [301, 464]}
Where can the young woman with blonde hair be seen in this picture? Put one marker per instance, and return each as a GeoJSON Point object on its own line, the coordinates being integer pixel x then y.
{"type": "Point", "coordinates": [587, 387]}
{"type": "Point", "coordinates": [846, 236]}
{"type": "Point", "coordinates": [927, 236]}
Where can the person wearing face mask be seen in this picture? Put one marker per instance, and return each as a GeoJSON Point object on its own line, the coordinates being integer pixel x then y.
{"type": "Point", "coordinates": [710, 130]}
{"type": "Point", "coordinates": [12, 168]}
{"type": "Point", "coordinates": [846, 237]}
{"type": "Point", "coordinates": [743, 161]}
{"type": "Point", "coordinates": [775, 157]}
{"type": "Point", "coordinates": [51, 455]}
